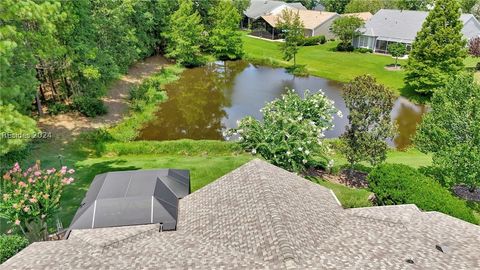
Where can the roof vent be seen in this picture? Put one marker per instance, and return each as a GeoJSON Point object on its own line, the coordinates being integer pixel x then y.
{"type": "Point", "coordinates": [410, 261]}
{"type": "Point", "coordinates": [442, 248]}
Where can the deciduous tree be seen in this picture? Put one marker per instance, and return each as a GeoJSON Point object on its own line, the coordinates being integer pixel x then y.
{"type": "Point", "coordinates": [292, 30]}
{"type": "Point", "coordinates": [185, 35]}
{"type": "Point", "coordinates": [438, 50]}
{"type": "Point", "coordinates": [346, 28]}
{"type": "Point", "coordinates": [451, 131]}
{"type": "Point", "coordinates": [369, 121]}
{"type": "Point", "coordinates": [396, 50]}
{"type": "Point", "coordinates": [225, 36]}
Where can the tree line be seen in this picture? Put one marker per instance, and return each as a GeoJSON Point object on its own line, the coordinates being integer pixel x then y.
{"type": "Point", "coordinates": [65, 53]}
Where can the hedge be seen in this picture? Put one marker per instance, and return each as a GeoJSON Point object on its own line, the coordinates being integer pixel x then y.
{"type": "Point", "coordinates": [400, 184]}
{"type": "Point", "coordinates": [11, 245]}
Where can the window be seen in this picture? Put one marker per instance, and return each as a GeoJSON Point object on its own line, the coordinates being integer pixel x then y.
{"type": "Point", "coordinates": [363, 42]}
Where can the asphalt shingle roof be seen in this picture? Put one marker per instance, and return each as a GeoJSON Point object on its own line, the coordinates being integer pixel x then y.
{"type": "Point", "coordinates": [259, 8]}
{"type": "Point", "coordinates": [399, 25]}
{"type": "Point", "coordinates": [263, 217]}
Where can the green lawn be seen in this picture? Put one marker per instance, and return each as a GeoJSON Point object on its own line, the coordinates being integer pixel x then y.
{"type": "Point", "coordinates": [411, 157]}
{"type": "Point", "coordinates": [324, 62]}
{"type": "Point", "coordinates": [348, 197]}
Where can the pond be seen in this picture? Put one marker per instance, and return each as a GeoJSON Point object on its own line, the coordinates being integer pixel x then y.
{"type": "Point", "coordinates": [207, 100]}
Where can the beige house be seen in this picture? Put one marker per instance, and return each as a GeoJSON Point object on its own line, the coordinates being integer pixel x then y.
{"type": "Point", "coordinates": [316, 23]}
{"type": "Point", "coordinates": [365, 16]}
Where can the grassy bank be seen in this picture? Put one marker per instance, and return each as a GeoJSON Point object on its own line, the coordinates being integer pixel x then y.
{"type": "Point", "coordinates": [325, 62]}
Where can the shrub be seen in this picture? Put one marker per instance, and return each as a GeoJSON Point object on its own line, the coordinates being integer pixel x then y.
{"type": "Point", "coordinates": [89, 106]}
{"type": "Point", "coordinates": [400, 184]}
{"type": "Point", "coordinates": [30, 198]}
{"type": "Point", "coordinates": [344, 47]}
{"type": "Point", "coordinates": [364, 50]}
{"type": "Point", "coordinates": [11, 245]}
{"type": "Point", "coordinates": [315, 40]}
{"type": "Point", "coordinates": [58, 108]}
{"type": "Point", "coordinates": [291, 131]}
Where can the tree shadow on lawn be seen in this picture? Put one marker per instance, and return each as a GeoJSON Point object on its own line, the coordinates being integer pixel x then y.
{"type": "Point", "coordinates": [74, 194]}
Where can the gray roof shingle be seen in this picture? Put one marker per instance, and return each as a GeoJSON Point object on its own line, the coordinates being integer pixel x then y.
{"type": "Point", "coordinates": [402, 25]}
{"type": "Point", "coordinates": [259, 8]}
{"type": "Point", "coordinates": [262, 217]}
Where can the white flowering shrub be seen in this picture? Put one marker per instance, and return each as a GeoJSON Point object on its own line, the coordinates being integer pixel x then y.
{"type": "Point", "coordinates": [291, 133]}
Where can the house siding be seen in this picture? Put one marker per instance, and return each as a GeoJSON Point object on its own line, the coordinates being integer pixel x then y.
{"type": "Point", "coordinates": [324, 28]}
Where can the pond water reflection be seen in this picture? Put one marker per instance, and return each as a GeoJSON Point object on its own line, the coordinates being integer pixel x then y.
{"type": "Point", "coordinates": [207, 100]}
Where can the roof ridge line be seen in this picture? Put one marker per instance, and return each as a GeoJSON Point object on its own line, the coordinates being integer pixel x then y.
{"type": "Point", "coordinates": [286, 250]}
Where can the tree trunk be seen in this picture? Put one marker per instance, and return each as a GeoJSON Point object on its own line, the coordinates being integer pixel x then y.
{"type": "Point", "coordinates": [39, 104]}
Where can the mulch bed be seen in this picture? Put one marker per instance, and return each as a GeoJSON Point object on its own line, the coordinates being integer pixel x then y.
{"type": "Point", "coordinates": [463, 192]}
{"type": "Point", "coordinates": [356, 180]}
{"type": "Point", "coordinates": [393, 68]}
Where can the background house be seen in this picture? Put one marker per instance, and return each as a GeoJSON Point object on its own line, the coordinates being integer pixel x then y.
{"type": "Point", "coordinates": [401, 26]}
{"type": "Point", "coordinates": [259, 8]}
{"type": "Point", "coordinates": [315, 23]}
{"type": "Point", "coordinates": [365, 16]}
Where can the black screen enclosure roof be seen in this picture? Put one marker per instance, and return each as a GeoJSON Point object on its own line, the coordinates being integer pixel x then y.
{"type": "Point", "coordinates": [133, 198]}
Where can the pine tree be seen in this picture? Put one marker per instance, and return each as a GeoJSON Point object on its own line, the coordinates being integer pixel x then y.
{"type": "Point", "coordinates": [225, 36]}
{"type": "Point", "coordinates": [438, 50]}
{"type": "Point", "coordinates": [185, 35]}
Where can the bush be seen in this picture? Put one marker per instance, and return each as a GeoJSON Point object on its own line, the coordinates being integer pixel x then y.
{"type": "Point", "coordinates": [58, 108]}
{"type": "Point", "coordinates": [315, 40]}
{"type": "Point", "coordinates": [477, 67]}
{"type": "Point", "coordinates": [89, 106]}
{"type": "Point", "coordinates": [31, 198]}
{"type": "Point", "coordinates": [343, 47]}
{"type": "Point", "coordinates": [364, 50]}
{"type": "Point", "coordinates": [11, 245]}
{"type": "Point", "coordinates": [291, 131]}
{"type": "Point", "coordinates": [400, 184]}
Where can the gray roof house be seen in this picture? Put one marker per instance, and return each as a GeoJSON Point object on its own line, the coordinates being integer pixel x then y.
{"type": "Point", "coordinates": [262, 217]}
{"type": "Point", "coordinates": [259, 8]}
{"type": "Point", "coordinates": [401, 26]}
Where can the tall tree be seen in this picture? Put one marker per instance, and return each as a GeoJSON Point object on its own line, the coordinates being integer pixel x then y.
{"type": "Point", "coordinates": [292, 27]}
{"type": "Point", "coordinates": [438, 50]}
{"type": "Point", "coordinates": [28, 37]}
{"type": "Point", "coordinates": [371, 6]}
{"type": "Point", "coordinates": [451, 131]}
{"type": "Point", "coordinates": [335, 5]}
{"type": "Point", "coordinates": [346, 28]}
{"type": "Point", "coordinates": [241, 5]}
{"type": "Point", "coordinates": [225, 36]}
{"type": "Point", "coordinates": [415, 4]}
{"type": "Point", "coordinates": [467, 5]}
{"type": "Point", "coordinates": [185, 35]}
{"type": "Point", "coordinates": [369, 121]}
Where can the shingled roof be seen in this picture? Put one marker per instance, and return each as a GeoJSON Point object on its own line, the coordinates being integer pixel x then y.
{"type": "Point", "coordinates": [263, 217]}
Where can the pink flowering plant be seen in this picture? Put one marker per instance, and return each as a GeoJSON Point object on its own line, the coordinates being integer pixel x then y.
{"type": "Point", "coordinates": [30, 198]}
